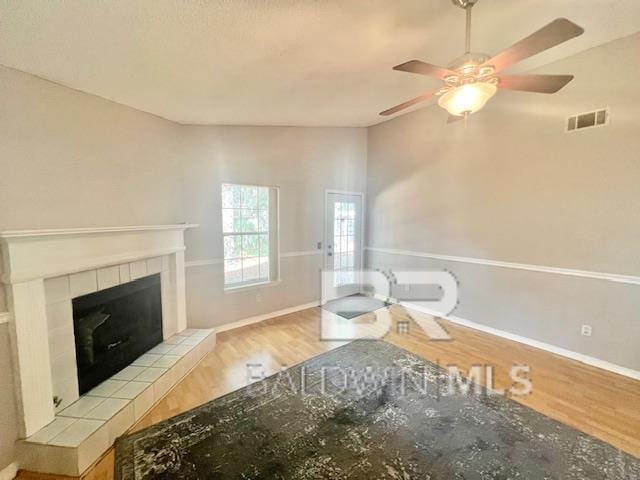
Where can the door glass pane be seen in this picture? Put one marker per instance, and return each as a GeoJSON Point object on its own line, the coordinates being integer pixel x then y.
{"type": "Point", "coordinates": [350, 263]}
{"type": "Point", "coordinates": [345, 277]}
{"type": "Point", "coordinates": [344, 242]}
{"type": "Point", "coordinates": [350, 244]}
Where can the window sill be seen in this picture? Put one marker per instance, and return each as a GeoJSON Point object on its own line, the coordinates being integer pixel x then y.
{"type": "Point", "coordinates": [252, 286]}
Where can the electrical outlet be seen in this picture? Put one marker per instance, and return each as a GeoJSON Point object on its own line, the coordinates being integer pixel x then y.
{"type": "Point", "coordinates": [407, 288]}
{"type": "Point", "coordinates": [258, 298]}
{"type": "Point", "coordinates": [586, 330]}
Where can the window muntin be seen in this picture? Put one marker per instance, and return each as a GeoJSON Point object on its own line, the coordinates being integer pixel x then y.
{"type": "Point", "coordinates": [247, 234]}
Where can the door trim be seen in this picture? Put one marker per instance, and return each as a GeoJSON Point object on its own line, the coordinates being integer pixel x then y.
{"type": "Point", "coordinates": [363, 196]}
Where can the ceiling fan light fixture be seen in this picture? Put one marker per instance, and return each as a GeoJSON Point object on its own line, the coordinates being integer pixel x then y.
{"type": "Point", "coordinates": [468, 98]}
{"type": "Point", "coordinates": [473, 78]}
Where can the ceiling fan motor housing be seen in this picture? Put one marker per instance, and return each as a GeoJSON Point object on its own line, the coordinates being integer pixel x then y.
{"type": "Point", "coordinates": [464, 3]}
{"type": "Point", "coordinates": [470, 68]}
{"type": "Point", "coordinates": [468, 61]}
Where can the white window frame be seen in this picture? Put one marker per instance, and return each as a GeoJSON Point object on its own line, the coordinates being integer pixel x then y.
{"type": "Point", "coordinates": [273, 236]}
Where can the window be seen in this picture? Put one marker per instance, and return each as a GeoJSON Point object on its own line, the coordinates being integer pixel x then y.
{"type": "Point", "coordinates": [249, 229]}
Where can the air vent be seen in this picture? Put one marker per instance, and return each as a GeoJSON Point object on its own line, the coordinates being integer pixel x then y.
{"type": "Point", "coordinates": [580, 121]}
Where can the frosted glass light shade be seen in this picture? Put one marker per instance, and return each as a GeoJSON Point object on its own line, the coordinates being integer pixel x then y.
{"type": "Point", "coordinates": [467, 98]}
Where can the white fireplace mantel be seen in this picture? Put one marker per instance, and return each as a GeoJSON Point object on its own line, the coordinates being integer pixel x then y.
{"type": "Point", "coordinates": [30, 257]}
{"type": "Point", "coordinates": [32, 254]}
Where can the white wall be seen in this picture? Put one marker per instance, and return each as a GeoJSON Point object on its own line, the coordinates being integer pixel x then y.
{"type": "Point", "coordinates": [514, 187]}
{"type": "Point", "coordinates": [68, 159]}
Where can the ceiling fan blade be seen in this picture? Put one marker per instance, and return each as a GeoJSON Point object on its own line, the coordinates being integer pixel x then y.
{"type": "Point", "coordinates": [555, 33]}
{"type": "Point", "coordinates": [454, 118]}
{"type": "Point", "coordinates": [407, 104]}
{"type": "Point", "coordinates": [422, 68]}
{"type": "Point", "coordinates": [534, 83]}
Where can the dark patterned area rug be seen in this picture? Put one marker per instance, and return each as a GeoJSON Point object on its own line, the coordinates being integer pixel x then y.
{"type": "Point", "coordinates": [367, 410]}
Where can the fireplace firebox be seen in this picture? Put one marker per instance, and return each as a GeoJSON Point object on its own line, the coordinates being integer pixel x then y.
{"type": "Point", "coordinates": [115, 326]}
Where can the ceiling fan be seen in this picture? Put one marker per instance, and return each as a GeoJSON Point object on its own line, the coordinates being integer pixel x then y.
{"type": "Point", "coordinates": [472, 79]}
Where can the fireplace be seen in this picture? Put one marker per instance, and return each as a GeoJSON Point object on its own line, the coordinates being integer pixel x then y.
{"type": "Point", "coordinates": [113, 327]}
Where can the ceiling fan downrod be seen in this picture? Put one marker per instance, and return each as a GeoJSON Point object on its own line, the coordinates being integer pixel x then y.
{"type": "Point", "coordinates": [467, 5]}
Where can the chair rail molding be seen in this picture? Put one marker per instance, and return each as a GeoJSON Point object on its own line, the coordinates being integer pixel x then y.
{"type": "Point", "coordinates": [220, 261]}
{"type": "Point", "coordinates": [611, 277]}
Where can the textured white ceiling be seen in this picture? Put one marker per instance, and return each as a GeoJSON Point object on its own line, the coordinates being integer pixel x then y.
{"type": "Point", "coordinates": [274, 62]}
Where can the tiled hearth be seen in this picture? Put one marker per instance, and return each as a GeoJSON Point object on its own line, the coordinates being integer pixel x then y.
{"type": "Point", "coordinates": [43, 271]}
{"type": "Point", "coordinates": [84, 430]}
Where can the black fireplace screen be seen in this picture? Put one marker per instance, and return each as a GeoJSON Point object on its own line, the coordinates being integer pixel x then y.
{"type": "Point", "coordinates": [115, 326]}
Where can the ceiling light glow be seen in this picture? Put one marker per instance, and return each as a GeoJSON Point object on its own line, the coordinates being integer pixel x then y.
{"type": "Point", "coordinates": [468, 98]}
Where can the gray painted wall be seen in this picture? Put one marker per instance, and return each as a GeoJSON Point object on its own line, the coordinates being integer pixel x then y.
{"type": "Point", "coordinates": [70, 159]}
{"type": "Point", "coordinates": [513, 186]}
{"type": "Point", "coordinates": [302, 162]}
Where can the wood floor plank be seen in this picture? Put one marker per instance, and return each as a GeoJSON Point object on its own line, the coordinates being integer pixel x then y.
{"type": "Point", "coordinates": [597, 402]}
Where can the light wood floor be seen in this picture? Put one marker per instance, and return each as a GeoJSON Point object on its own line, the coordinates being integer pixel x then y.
{"type": "Point", "coordinates": [597, 402]}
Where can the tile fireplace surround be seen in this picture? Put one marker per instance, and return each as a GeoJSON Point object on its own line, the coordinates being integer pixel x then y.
{"type": "Point", "coordinates": [42, 271]}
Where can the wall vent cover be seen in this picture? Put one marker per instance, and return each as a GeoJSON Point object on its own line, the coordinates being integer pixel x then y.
{"type": "Point", "coordinates": [595, 118]}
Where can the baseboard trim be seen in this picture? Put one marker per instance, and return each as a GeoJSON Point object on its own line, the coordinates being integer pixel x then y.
{"type": "Point", "coordinates": [259, 318]}
{"type": "Point", "coordinates": [9, 472]}
{"type": "Point", "coordinates": [563, 352]}
{"type": "Point", "coordinates": [611, 277]}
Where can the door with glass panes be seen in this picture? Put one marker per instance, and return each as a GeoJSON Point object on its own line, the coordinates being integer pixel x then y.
{"type": "Point", "coordinates": [343, 252]}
